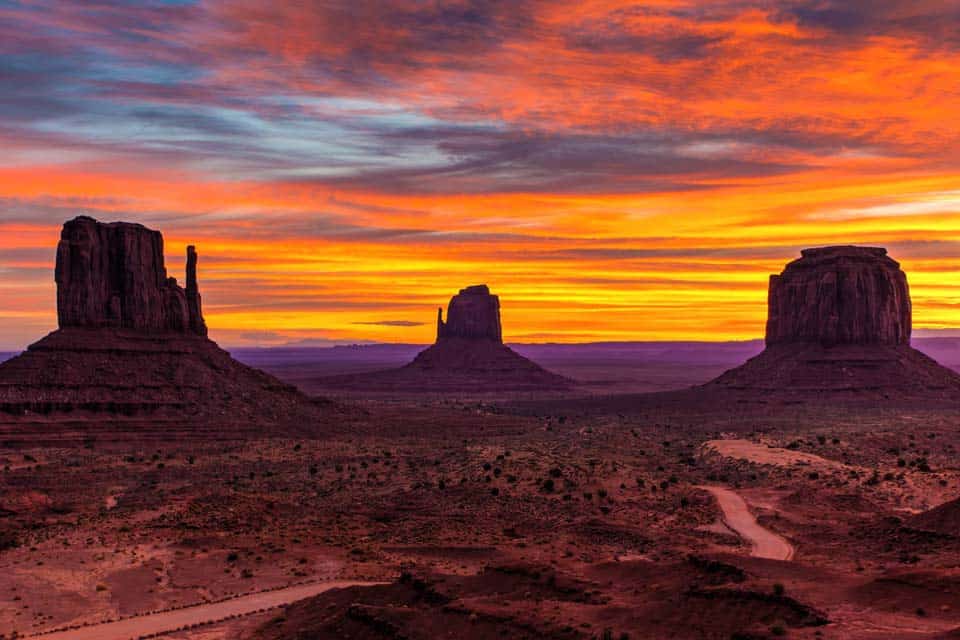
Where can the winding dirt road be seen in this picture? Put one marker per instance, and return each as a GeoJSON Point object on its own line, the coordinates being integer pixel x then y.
{"type": "Point", "coordinates": [167, 621]}
{"type": "Point", "coordinates": [737, 518]}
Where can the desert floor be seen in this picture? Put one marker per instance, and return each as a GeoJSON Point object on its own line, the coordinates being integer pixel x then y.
{"type": "Point", "coordinates": [638, 517]}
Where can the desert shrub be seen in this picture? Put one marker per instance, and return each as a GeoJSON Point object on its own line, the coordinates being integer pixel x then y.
{"type": "Point", "coordinates": [8, 540]}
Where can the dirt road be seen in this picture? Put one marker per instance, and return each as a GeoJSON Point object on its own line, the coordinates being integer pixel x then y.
{"type": "Point", "coordinates": [171, 620]}
{"type": "Point", "coordinates": [737, 517]}
{"type": "Point", "coordinates": [763, 454]}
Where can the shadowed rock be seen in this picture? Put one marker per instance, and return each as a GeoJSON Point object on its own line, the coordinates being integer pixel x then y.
{"type": "Point", "coordinates": [944, 519]}
{"type": "Point", "coordinates": [468, 356]}
{"type": "Point", "coordinates": [194, 311]}
{"type": "Point", "coordinates": [132, 343]}
{"type": "Point", "coordinates": [839, 320]}
{"type": "Point", "coordinates": [113, 275]}
{"type": "Point", "coordinates": [840, 295]}
{"type": "Point", "coordinates": [473, 314]}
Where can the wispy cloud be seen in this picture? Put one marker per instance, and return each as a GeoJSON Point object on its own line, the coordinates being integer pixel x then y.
{"type": "Point", "coordinates": [345, 166]}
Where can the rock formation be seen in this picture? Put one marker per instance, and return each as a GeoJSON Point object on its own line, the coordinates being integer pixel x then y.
{"type": "Point", "coordinates": [473, 314]}
{"type": "Point", "coordinates": [468, 356]}
{"type": "Point", "coordinates": [194, 310]}
{"type": "Point", "coordinates": [944, 519]}
{"type": "Point", "coordinates": [113, 275]}
{"type": "Point", "coordinates": [132, 344]}
{"type": "Point", "coordinates": [839, 320]}
{"type": "Point", "coordinates": [840, 295]}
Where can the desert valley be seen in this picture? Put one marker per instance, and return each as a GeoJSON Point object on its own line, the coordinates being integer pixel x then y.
{"type": "Point", "coordinates": [479, 319]}
{"type": "Point", "coordinates": [152, 485]}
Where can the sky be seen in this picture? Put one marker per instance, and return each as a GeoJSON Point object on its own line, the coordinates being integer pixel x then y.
{"type": "Point", "coordinates": [613, 170]}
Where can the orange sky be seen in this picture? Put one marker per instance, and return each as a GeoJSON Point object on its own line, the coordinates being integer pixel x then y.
{"type": "Point", "coordinates": [613, 171]}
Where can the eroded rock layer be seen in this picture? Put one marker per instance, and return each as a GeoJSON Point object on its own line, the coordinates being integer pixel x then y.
{"type": "Point", "coordinates": [132, 345]}
{"type": "Point", "coordinates": [473, 314]}
{"type": "Point", "coordinates": [113, 275]}
{"type": "Point", "coordinates": [839, 321]}
{"type": "Point", "coordinates": [840, 295]}
{"type": "Point", "coordinates": [468, 356]}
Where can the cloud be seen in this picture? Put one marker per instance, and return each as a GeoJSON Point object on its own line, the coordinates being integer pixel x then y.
{"type": "Point", "coordinates": [930, 23]}
{"type": "Point", "coordinates": [393, 323]}
{"type": "Point", "coordinates": [269, 337]}
{"type": "Point", "coordinates": [602, 152]}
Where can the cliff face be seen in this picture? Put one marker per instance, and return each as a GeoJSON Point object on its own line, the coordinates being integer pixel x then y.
{"type": "Point", "coordinates": [194, 311]}
{"type": "Point", "coordinates": [113, 275]}
{"type": "Point", "coordinates": [131, 346]}
{"type": "Point", "coordinates": [473, 314]}
{"type": "Point", "coordinates": [840, 296]}
{"type": "Point", "coordinates": [839, 322]}
{"type": "Point", "coordinates": [468, 356]}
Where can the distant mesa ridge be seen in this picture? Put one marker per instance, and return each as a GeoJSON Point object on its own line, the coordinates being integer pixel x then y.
{"type": "Point", "coordinates": [839, 320]}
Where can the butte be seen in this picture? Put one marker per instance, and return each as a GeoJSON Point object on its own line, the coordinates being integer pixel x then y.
{"type": "Point", "coordinates": [132, 348]}
{"type": "Point", "coordinates": [468, 356]}
{"type": "Point", "coordinates": [838, 324]}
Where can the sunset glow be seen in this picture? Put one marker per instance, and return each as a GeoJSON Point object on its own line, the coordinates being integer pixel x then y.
{"type": "Point", "coordinates": [613, 170]}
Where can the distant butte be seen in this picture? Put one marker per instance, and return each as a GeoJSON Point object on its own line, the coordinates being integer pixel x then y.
{"type": "Point", "coordinates": [839, 321]}
{"type": "Point", "coordinates": [473, 314]}
{"type": "Point", "coordinates": [132, 344]}
{"type": "Point", "coordinates": [468, 356]}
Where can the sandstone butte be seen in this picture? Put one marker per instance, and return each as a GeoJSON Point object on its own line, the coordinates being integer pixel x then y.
{"type": "Point", "coordinates": [468, 356]}
{"type": "Point", "coordinates": [132, 345]}
{"type": "Point", "coordinates": [839, 321]}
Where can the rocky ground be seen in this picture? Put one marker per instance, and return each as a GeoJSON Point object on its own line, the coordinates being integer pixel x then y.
{"type": "Point", "coordinates": [512, 519]}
